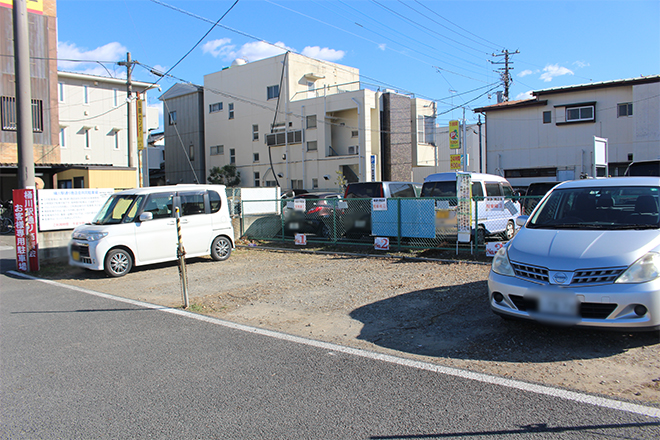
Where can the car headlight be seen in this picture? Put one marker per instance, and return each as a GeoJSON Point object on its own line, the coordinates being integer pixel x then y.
{"type": "Point", "coordinates": [645, 269]}
{"type": "Point", "coordinates": [89, 236]}
{"type": "Point", "coordinates": [501, 264]}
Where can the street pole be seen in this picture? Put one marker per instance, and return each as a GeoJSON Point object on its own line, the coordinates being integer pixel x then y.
{"type": "Point", "coordinates": [481, 170]}
{"type": "Point", "coordinates": [24, 136]}
{"type": "Point", "coordinates": [129, 118]}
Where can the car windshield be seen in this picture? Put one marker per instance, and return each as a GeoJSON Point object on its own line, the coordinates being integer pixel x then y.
{"type": "Point", "coordinates": [118, 208]}
{"type": "Point", "coordinates": [611, 208]}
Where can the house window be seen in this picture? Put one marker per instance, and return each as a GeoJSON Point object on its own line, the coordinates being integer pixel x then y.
{"type": "Point", "coordinates": [315, 183]}
{"type": "Point", "coordinates": [577, 114]}
{"type": "Point", "coordinates": [60, 92]}
{"type": "Point", "coordinates": [547, 117]}
{"type": "Point", "coordinates": [88, 145]}
{"type": "Point", "coordinates": [191, 152]}
{"type": "Point", "coordinates": [255, 132]}
{"type": "Point", "coordinates": [256, 179]}
{"type": "Point", "coordinates": [281, 138]}
{"type": "Point", "coordinates": [62, 137]}
{"type": "Point", "coordinates": [79, 182]}
{"type": "Point", "coordinates": [312, 146]}
{"type": "Point", "coordinates": [85, 95]}
{"type": "Point", "coordinates": [311, 121]}
{"type": "Point", "coordinates": [172, 118]}
{"type": "Point", "coordinates": [215, 107]}
{"type": "Point", "coordinates": [232, 156]}
{"type": "Point", "coordinates": [355, 133]}
{"type": "Point", "coordinates": [116, 140]}
{"type": "Point", "coordinates": [272, 92]}
{"type": "Point", "coordinates": [231, 110]}
{"type": "Point", "coordinates": [8, 114]}
{"type": "Point", "coordinates": [115, 96]}
{"type": "Point", "coordinates": [625, 109]}
{"type": "Point", "coordinates": [217, 150]}
{"type": "Point", "coordinates": [256, 157]}
{"type": "Point", "coordinates": [37, 116]}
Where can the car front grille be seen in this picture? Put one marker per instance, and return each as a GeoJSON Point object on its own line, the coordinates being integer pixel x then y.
{"type": "Point", "coordinates": [587, 310]}
{"type": "Point", "coordinates": [596, 276]}
{"type": "Point", "coordinates": [531, 272]}
{"type": "Point", "coordinates": [580, 277]}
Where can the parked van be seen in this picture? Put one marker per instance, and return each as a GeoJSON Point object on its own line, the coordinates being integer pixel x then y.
{"type": "Point", "coordinates": [138, 226]}
{"type": "Point", "coordinates": [496, 208]}
{"type": "Point", "coordinates": [357, 219]}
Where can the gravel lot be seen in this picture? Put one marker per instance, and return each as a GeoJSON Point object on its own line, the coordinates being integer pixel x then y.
{"type": "Point", "coordinates": [435, 311]}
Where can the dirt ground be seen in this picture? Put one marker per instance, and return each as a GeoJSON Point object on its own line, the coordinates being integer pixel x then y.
{"type": "Point", "coordinates": [434, 311]}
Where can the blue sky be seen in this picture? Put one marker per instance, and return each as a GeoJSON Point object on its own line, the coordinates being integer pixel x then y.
{"type": "Point", "coordinates": [439, 50]}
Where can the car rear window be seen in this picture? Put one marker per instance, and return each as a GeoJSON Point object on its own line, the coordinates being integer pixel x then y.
{"type": "Point", "coordinates": [401, 190]}
{"type": "Point", "coordinates": [364, 190]}
{"type": "Point", "coordinates": [439, 189]}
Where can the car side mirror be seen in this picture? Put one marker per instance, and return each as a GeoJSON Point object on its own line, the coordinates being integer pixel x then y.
{"type": "Point", "coordinates": [146, 216]}
{"type": "Point", "coordinates": [521, 220]}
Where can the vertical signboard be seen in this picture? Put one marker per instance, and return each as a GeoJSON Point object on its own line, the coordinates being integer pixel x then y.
{"type": "Point", "coordinates": [373, 167]}
{"type": "Point", "coordinates": [455, 162]}
{"type": "Point", "coordinates": [464, 208]}
{"type": "Point", "coordinates": [140, 124]}
{"type": "Point", "coordinates": [454, 136]}
{"type": "Point", "coordinates": [25, 230]}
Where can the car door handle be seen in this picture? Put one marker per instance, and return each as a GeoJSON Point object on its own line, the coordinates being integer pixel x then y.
{"type": "Point", "coordinates": [171, 222]}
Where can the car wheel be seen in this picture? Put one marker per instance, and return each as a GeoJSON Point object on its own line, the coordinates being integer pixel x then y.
{"type": "Point", "coordinates": [510, 231]}
{"type": "Point", "coordinates": [481, 236]}
{"type": "Point", "coordinates": [118, 262]}
{"type": "Point", "coordinates": [220, 249]}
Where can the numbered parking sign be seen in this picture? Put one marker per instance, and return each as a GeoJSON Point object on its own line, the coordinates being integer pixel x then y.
{"type": "Point", "coordinates": [382, 244]}
{"type": "Point", "coordinates": [301, 239]}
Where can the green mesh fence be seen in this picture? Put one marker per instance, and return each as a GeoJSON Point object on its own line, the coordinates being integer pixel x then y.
{"type": "Point", "coordinates": [417, 223]}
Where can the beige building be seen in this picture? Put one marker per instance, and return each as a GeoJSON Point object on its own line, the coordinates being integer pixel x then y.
{"type": "Point", "coordinates": [93, 129]}
{"type": "Point", "coordinates": [552, 136]}
{"type": "Point", "coordinates": [301, 123]}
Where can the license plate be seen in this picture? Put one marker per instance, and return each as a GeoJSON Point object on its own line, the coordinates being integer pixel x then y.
{"type": "Point", "coordinates": [360, 223]}
{"type": "Point", "coordinates": [294, 225]}
{"type": "Point", "coordinates": [75, 255]}
{"type": "Point", "coordinates": [558, 305]}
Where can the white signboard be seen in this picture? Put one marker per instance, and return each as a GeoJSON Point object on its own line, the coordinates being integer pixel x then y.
{"type": "Point", "coordinates": [379, 204]}
{"type": "Point", "coordinates": [301, 239]}
{"type": "Point", "coordinates": [68, 208]}
{"type": "Point", "coordinates": [299, 204]}
{"type": "Point", "coordinates": [382, 244]}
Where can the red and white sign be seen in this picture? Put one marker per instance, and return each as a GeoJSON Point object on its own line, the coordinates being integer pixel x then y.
{"type": "Point", "coordinates": [301, 239]}
{"type": "Point", "coordinates": [299, 204]}
{"type": "Point", "coordinates": [382, 244]}
{"type": "Point", "coordinates": [25, 229]}
{"type": "Point", "coordinates": [493, 247]}
{"type": "Point", "coordinates": [379, 204]}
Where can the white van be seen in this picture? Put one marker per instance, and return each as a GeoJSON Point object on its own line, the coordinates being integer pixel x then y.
{"type": "Point", "coordinates": [138, 226]}
{"type": "Point", "coordinates": [496, 209]}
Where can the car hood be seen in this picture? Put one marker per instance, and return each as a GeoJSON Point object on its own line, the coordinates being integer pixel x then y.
{"type": "Point", "coordinates": [570, 249]}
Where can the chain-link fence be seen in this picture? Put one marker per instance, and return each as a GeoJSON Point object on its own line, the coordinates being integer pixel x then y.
{"type": "Point", "coordinates": [415, 223]}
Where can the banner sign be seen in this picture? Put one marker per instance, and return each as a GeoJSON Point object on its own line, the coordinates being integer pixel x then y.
{"type": "Point", "coordinates": [140, 124]}
{"type": "Point", "coordinates": [68, 208]}
{"type": "Point", "coordinates": [455, 162]}
{"type": "Point", "coordinates": [464, 208]}
{"type": "Point", "coordinates": [454, 137]}
{"type": "Point", "coordinates": [25, 230]}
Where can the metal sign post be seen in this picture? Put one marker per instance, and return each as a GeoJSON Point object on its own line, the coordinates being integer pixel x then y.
{"type": "Point", "coordinates": [181, 255]}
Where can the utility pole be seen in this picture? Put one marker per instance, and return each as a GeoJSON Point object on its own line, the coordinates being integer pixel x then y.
{"type": "Point", "coordinates": [24, 136]}
{"type": "Point", "coordinates": [504, 71]}
{"type": "Point", "coordinates": [129, 92]}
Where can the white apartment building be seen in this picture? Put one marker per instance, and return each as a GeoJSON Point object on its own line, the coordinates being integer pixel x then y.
{"type": "Point", "coordinates": [93, 131]}
{"type": "Point", "coordinates": [300, 123]}
{"type": "Point", "coordinates": [552, 136]}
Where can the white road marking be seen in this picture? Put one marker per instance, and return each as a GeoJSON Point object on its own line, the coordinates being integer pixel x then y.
{"type": "Point", "coordinates": [456, 372]}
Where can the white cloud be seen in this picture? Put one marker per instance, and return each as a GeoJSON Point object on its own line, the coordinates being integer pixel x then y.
{"type": "Point", "coordinates": [552, 71]}
{"type": "Point", "coordinates": [325, 53]}
{"type": "Point", "coordinates": [525, 95]}
{"type": "Point", "coordinates": [112, 52]}
{"type": "Point", "coordinates": [524, 73]}
{"type": "Point", "coordinates": [259, 50]}
{"type": "Point", "coordinates": [581, 64]}
{"type": "Point", "coordinates": [382, 46]}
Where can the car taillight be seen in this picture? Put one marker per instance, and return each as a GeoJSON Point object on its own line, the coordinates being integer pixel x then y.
{"type": "Point", "coordinates": [314, 210]}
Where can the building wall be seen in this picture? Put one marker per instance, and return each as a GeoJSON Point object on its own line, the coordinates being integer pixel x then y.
{"type": "Point", "coordinates": [517, 138]}
{"type": "Point", "coordinates": [101, 178]}
{"type": "Point", "coordinates": [42, 35]}
{"type": "Point", "coordinates": [188, 130]}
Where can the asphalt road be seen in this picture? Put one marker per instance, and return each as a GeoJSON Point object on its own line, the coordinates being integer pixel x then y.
{"type": "Point", "coordinates": [79, 365]}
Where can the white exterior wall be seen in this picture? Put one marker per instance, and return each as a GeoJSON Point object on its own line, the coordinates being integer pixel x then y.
{"type": "Point", "coordinates": [517, 138]}
{"type": "Point", "coordinates": [335, 100]}
{"type": "Point", "coordinates": [104, 117]}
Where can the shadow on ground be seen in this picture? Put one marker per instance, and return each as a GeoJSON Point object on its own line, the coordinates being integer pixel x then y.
{"type": "Point", "coordinates": [456, 322]}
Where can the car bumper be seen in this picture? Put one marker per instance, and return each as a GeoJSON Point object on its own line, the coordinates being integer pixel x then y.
{"type": "Point", "coordinates": [86, 254]}
{"type": "Point", "coordinates": [607, 306]}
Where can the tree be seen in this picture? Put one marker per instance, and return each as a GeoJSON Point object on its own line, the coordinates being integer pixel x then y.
{"type": "Point", "coordinates": [226, 175]}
